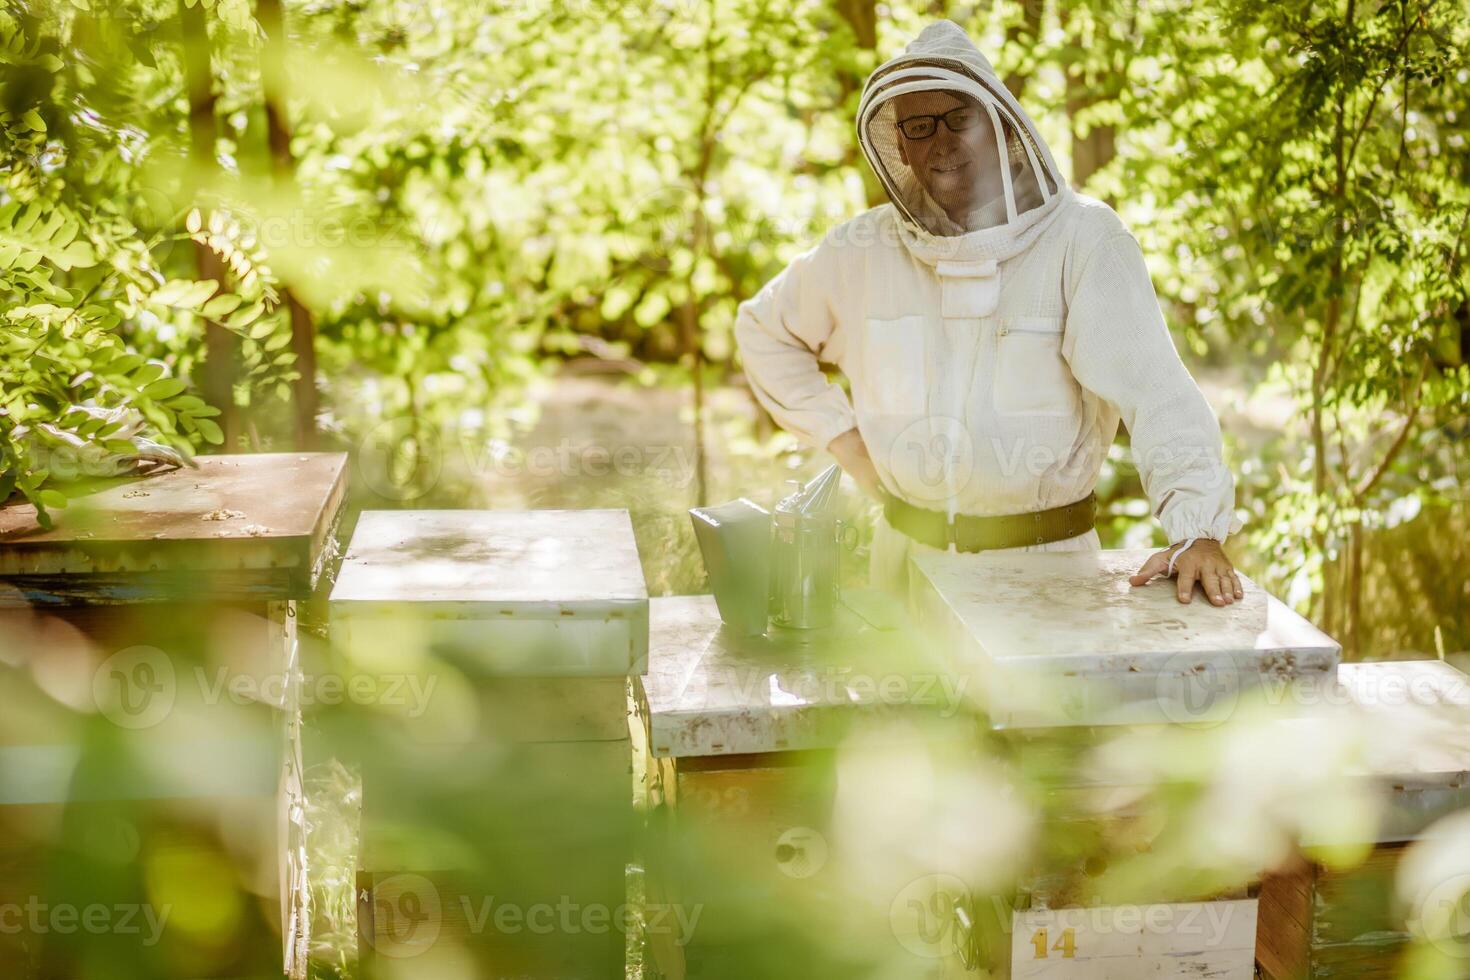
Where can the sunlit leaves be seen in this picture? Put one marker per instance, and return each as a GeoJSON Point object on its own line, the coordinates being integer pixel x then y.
{"type": "Point", "coordinates": [32, 233]}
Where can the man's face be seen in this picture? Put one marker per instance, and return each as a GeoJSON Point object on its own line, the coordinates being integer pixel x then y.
{"type": "Point", "coordinates": [955, 168]}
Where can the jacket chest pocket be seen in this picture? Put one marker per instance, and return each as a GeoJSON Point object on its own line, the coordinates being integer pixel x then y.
{"type": "Point", "coordinates": [894, 358]}
{"type": "Point", "coordinates": [1031, 376]}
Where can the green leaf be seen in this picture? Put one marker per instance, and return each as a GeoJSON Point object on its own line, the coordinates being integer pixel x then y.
{"type": "Point", "coordinates": [147, 374]}
{"type": "Point", "coordinates": [187, 294]}
{"type": "Point", "coordinates": [244, 317]}
{"type": "Point", "coordinates": [122, 365]}
{"type": "Point", "coordinates": [165, 388]}
{"type": "Point", "coordinates": [220, 305]}
{"type": "Point", "coordinates": [199, 293]}
{"type": "Point", "coordinates": [51, 499]}
{"type": "Point", "coordinates": [210, 431]}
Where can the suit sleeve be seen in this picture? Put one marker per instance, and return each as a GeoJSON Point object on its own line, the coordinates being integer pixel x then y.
{"type": "Point", "coordinates": [1120, 349]}
{"type": "Point", "coordinates": [784, 332]}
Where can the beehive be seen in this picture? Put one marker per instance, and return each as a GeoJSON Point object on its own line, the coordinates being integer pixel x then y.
{"type": "Point", "coordinates": [1169, 940]}
{"type": "Point", "coordinates": [1060, 649]}
{"type": "Point", "coordinates": [1413, 718]}
{"type": "Point", "coordinates": [745, 736]}
{"type": "Point", "coordinates": [513, 786]}
{"type": "Point", "coordinates": [152, 711]}
{"type": "Point", "coordinates": [1063, 640]}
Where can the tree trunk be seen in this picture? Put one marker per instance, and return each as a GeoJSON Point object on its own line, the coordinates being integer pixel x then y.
{"type": "Point", "coordinates": [278, 134]}
{"type": "Point", "coordinates": [1353, 600]}
{"type": "Point", "coordinates": [221, 354]}
{"type": "Point", "coordinates": [1095, 149]}
{"type": "Point", "coordinates": [862, 17]}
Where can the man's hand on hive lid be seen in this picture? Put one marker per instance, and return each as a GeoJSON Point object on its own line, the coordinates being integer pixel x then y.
{"type": "Point", "coordinates": [1204, 562]}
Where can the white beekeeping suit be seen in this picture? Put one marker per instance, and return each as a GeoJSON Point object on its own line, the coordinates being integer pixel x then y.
{"type": "Point", "coordinates": [994, 325]}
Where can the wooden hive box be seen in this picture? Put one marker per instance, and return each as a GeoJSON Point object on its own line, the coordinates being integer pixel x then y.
{"type": "Point", "coordinates": [1168, 940]}
{"type": "Point", "coordinates": [1413, 719]}
{"type": "Point", "coordinates": [1063, 640]}
{"type": "Point", "coordinates": [1055, 924]}
{"type": "Point", "coordinates": [745, 732]}
{"type": "Point", "coordinates": [150, 733]}
{"type": "Point", "coordinates": [513, 789]}
{"type": "Point", "coordinates": [1060, 648]}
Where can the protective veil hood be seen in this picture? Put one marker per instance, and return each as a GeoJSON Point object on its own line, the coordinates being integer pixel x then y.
{"type": "Point", "coordinates": [969, 166]}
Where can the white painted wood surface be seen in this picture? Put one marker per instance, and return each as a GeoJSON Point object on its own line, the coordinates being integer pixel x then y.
{"type": "Point", "coordinates": [1191, 940]}
{"type": "Point", "coordinates": [1410, 725]}
{"type": "Point", "coordinates": [538, 593]}
{"type": "Point", "coordinates": [1419, 711]}
{"type": "Point", "coordinates": [1062, 639]}
{"type": "Point", "coordinates": [713, 691]}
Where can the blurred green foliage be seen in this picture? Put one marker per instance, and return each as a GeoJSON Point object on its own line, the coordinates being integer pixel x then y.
{"type": "Point", "coordinates": [461, 199]}
{"type": "Point", "coordinates": [456, 200]}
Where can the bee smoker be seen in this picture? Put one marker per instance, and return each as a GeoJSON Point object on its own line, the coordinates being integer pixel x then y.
{"type": "Point", "coordinates": [778, 568]}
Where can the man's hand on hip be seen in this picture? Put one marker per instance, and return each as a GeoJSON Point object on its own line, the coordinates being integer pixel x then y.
{"type": "Point", "coordinates": [852, 455]}
{"type": "Point", "coordinates": [1203, 562]}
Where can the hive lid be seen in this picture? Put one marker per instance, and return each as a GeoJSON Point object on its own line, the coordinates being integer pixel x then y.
{"type": "Point", "coordinates": [1418, 712]}
{"type": "Point", "coordinates": [1060, 639]}
{"type": "Point", "coordinates": [712, 691]}
{"type": "Point", "coordinates": [541, 593]}
{"type": "Point", "coordinates": [250, 526]}
{"type": "Point", "coordinates": [567, 557]}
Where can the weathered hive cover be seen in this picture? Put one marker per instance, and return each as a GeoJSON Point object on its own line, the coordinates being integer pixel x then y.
{"type": "Point", "coordinates": [1413, 720]}
{"type": "Point", "coordinates": [1062, 639]}
{"type": "Point", "coordinates": [712, 690]}
{"type": "Point", "coordinates": [538, 593]}
{"type": "Point", "coordinates": [246, 526]}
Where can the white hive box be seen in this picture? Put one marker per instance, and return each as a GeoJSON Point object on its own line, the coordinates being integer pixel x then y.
{"type": "Point", "coordinates": [546, 593]}
{"type": "Point", "coordinates": [1169, 941]}
{"type": "Point", "coordinates": [513, 784]}
{"type": "Point", "coordinates": [1408, 726]}
{"type": "Point", "coordinates": [1414, 719]}
{"type": "Point", "coordinates": [1054, 640]}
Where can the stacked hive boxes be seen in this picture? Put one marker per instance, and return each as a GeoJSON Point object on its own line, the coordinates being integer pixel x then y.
{"type": "Point", "coordinates": [150, 768]}
{"type": "Point", "coordinates": [1411, 723]}
{"type": "Point", "coordinates": [748, 738]}
{"type": "Point", "coordinates": [1061, 651]}
{"type": "Point", "coordinates": [497, 796]}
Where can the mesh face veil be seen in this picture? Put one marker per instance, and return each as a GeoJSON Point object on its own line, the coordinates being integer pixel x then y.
{"type": "Point", "coordinates": [952, 148]}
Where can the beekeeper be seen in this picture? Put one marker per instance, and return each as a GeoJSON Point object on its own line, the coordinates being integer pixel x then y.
{"type": "Point", "coordinates": [993, 326]}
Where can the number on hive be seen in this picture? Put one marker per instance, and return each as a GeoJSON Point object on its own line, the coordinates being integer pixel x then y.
{"type": "Point", "coordinates": [1067, 945]}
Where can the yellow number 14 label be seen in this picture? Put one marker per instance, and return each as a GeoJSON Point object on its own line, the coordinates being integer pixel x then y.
{"type": "Point", "coordinates": [1067, 945]}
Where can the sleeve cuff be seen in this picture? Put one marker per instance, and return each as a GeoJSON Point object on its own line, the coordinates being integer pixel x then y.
{"type": "Point", "coordinates": [821, 436]}
{"type": "Point", "coordinates": [1183, 526]}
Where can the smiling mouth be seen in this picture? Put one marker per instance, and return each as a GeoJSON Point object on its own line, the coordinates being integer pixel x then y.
{"type": "Point", "coordinates": [950, 168]}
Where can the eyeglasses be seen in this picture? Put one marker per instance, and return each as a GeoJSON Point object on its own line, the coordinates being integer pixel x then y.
{"type": "Point", "coordinates": [958, 119]}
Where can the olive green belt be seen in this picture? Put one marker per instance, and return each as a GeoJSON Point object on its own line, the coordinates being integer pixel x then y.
{"type": "Point", "coordinates": [970, 533]}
